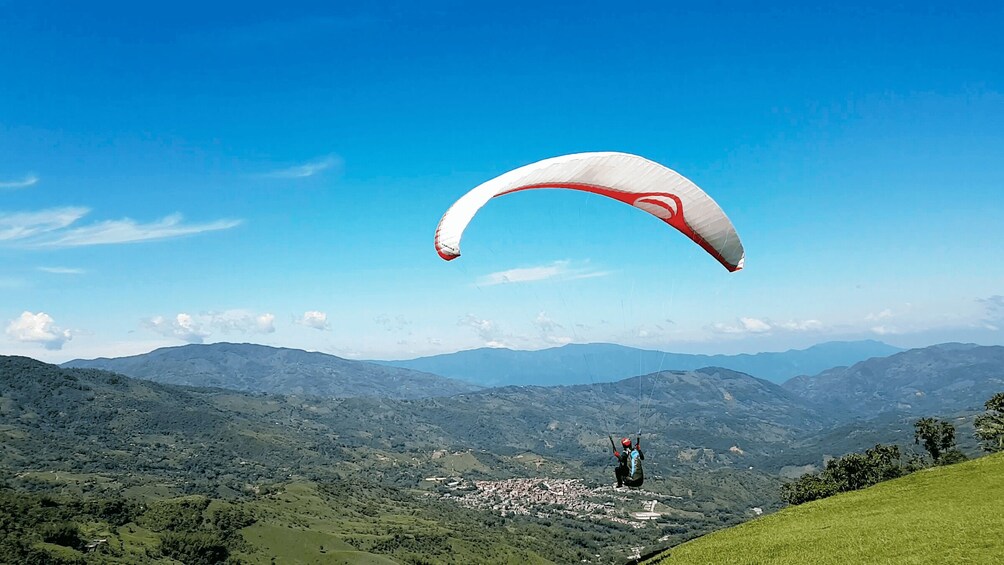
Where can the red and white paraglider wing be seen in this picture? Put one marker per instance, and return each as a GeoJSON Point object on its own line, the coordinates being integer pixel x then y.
{"type": "Point", "coordinates": [634, 180]}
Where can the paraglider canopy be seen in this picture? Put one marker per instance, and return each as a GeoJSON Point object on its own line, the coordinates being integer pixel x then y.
{"type": "Point", "coordinates": [631, 179]}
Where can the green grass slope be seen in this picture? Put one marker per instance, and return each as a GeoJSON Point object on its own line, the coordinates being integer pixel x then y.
{"type": "Point", "coordinates": [942, 515]}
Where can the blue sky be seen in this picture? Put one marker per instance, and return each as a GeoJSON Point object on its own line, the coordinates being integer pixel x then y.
{"type": "Point", "coordinates": [201, 172]}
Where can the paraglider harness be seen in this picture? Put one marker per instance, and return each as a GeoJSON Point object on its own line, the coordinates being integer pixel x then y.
{"type": "Point", "coordinates": [629, 470]}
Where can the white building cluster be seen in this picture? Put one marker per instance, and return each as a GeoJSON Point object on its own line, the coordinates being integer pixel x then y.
{"type": "Point", "coordinates": [541, 498]}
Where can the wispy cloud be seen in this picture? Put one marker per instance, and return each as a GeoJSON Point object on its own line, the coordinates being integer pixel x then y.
{"type": "Point", "coordinates": [397, 324]}
{"type": "Point", "coordinates": [25, 182]}
{"type": "Point", "coordinates": [558, 270]}
{"type": "Point", "coordinates": [38, 328]}
{"type": "Point", "coordinates": [993, 315]}
{"type": "Point", "coordinates": [314, 319]}
{"type": "Point", "coordinates": [26, 225]}
{"type": "Point", "coordinates": [489, 332]}
{"type": "Point", "coordinates": [53, 228]}
{"type": "Point", "coordinates": [130, 231]}
{"type": "Point", "coordinates": [306, 169]}
{"type": "Point", "coordinates": [62, 270]}
{"type": "Point", "coordinates": [549, 330]}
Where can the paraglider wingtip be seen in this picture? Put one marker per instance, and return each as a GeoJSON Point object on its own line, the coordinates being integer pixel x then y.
{"type": "Point", "coordinates": [447, 255]}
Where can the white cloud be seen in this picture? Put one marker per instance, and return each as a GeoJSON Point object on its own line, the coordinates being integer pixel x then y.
{"type": "Point", "coordinates": [801, 325]}
{"type": "Point", "coordinates": [545, 323]}
{"type": "Point", "coordinates": [52, 228]}
{"type": "Point", "coordinates": [884, 314]}
{"type": "Point", "coordinates": [559, 270]}
{"type": "Point", "coordinates": [743, 326]}
{"type": "Point", "coordinates": [754, 325]}
{"type": "Point", "coordinates": [27, 181]}
{"type": "Point", "coordinates": [183, 327]}
{"type": "Point", "coordinates": [129, 231]}
{"type": "Point", "coordinates": [240, 321]}
{"type": "Point", "coordinates": [307, 169]}
{"type": "Point", "coordinates": [265, 323]}
{"type": "Point", "coordinates": [196, 328]}
{"type": "Point", "coordinates": [38, 328]}
{"type": "Point", "coordinates": [549, 330]}
{"type": "Point", "coordinates": [25, 225]}
{"type": "Point", "coordinates": [885, 330]}
{"type": "Point", "coordinates": [62, 270]}
{"type": "Point", "coordinates": [314, 319]}
{"type": "Point", "coordinates": [749, 325]}
{"type": "Point", "coordinates": [993, 312]}
{"type": "Point", "coordinates": [489, 332]}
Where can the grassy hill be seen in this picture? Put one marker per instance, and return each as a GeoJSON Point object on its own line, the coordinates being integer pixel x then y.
{"type": "Point", "coordinates": [941, 515]}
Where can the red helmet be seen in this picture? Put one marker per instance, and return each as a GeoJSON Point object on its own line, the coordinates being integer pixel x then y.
{"type": "Point", "coordinates": [626, 442]}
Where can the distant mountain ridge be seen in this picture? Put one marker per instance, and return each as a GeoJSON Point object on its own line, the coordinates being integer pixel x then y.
{"type": "Point", "coordinates": [943, 378]}
{"type": "Point", "coordinates": [605, 362]}
{"type": "Point", "coordinates": [258, 368]}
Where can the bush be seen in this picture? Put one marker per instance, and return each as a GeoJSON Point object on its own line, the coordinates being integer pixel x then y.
{"type": "Point", "coordinates": [808, 488]}
{"type": "Point", "coordinates": [193, 548]}
{"type": "Point", "coordinates": [951, 457]}
{"type": "Point", "coordinates": [61, 533]}
{"type": "Point", "coordinates": [174, 515]}
{"type": "Point", "coordinates": [850, 472]}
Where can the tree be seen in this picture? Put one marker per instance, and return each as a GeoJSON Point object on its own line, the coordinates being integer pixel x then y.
{"type": "Point", "coordinates": [807, 488]}
{"type": "Point", "coordinates": [990, 426]}
{"type": "Point", "coordinates": [850, 472]}
{"type": "Point", "coordinates": [938, 436]}
{"type": "Point", "coordinates": [61, 533]}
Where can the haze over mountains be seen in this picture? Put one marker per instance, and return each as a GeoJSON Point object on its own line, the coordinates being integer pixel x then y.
{"type": "Point", "coordinates": [606, 362]}
{"type": "Point", "coordinates": [259, 368]}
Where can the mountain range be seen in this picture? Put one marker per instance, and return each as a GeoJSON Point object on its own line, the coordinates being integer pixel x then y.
{"type": "Point", "coordinates": [719, 442]}
{"type": "Point", "coordinates": [258, 368]}
{"type": "Point", "coordinates": [679, 411]}
{"type": "Point", "coordinates": [946, 377]}
{"type": "Point", "coordinates": [606, 362]}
